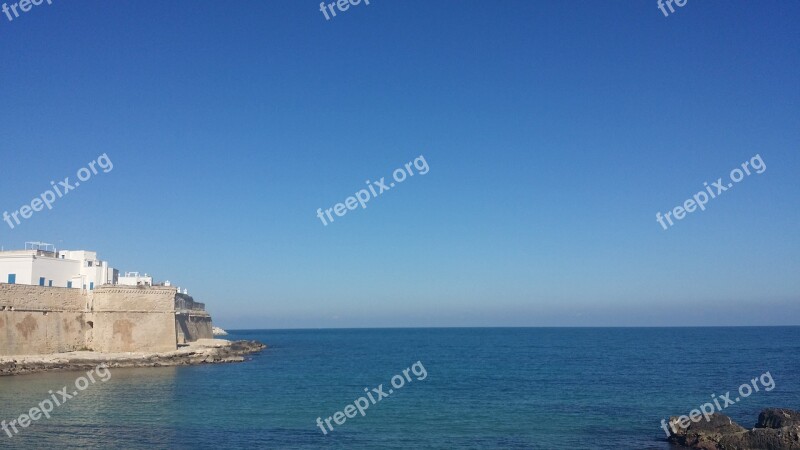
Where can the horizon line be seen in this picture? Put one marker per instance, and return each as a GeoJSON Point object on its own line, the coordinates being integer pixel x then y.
{"type": "Point", "coordinates": [507, 327]}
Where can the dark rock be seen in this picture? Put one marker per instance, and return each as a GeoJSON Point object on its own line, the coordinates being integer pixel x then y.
{"type": "Point", "coordinates": [777, 429]}
{"type": "Point", "coordinates": [777, 418]}
{"type": "Point", "coordinates": [704, 434]}
{"type": "Point", "coordinates": [245, 347]}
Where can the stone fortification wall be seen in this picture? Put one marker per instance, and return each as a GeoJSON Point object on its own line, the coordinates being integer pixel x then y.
{"type": "Point", "coordinates": [192, 322]}
{"type": "Point", "coordinates": [38, 320]}
{"type": "Point", "coordinates": [41, 320]}
{"type": "Point", "coordinates": [131, 319]}
{"type": "Point", "coordinates": [193, 326]}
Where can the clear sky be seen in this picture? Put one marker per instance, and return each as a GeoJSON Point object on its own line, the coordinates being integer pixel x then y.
{"type": "Point", "coordinates": [554, 132]}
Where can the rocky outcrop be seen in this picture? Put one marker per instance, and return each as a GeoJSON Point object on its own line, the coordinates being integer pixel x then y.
{"type": "Point", "coordinates": [777, 418]}
{"type": "Point", "coordinates": [204, 351]}
{"type": "Point", "coordinates": [777, 429]}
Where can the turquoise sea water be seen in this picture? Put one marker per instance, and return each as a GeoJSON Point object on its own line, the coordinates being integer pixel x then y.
{"type": "Point", "coordinates": [485, 388]}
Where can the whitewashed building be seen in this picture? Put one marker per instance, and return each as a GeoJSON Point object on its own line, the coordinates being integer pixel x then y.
{"type": "Point", "coordinates": [134, 279]}
{"type": "Point", "coordinates": [41, 264]}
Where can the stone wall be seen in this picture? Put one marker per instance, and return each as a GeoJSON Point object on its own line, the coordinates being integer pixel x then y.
{"type": "Point", "coordinates": [192, 326]}
{"type": "Point", "coordinates": [37, 320]}
{"type": "Point", "coordinates": [130, 319]}
{"type": "Point", "coordinates": [37, 298]}
{"type": "Point", "coordinates": [41, 320]}
{"type": "Point", "coordinates": [33, 333]}
{"type": "Point", "coordinates": [192, 322]}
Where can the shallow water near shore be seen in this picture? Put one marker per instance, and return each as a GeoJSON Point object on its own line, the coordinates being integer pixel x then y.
{"type": "Point", "coordinates": [517, 388]}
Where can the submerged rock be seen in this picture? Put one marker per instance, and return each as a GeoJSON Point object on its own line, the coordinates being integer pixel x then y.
{"type": "Point", "coordinates": [777, 429]}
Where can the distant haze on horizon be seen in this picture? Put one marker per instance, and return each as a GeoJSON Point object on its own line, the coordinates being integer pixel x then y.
{"type": "Point", "coordinates": [554, 132]}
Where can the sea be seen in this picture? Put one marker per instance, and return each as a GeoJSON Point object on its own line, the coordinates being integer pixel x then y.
{"type": "Point", "coordinates": [454, 388]}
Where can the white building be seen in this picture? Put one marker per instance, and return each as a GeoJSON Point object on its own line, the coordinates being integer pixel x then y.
{"type": "Point", "coordinates": [134, 279]}
{"type": "Point", "coordinates": [41, 264]}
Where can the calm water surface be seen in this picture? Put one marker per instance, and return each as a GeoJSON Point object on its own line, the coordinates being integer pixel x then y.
{"type": "Point", "coordinates": [486, 388]}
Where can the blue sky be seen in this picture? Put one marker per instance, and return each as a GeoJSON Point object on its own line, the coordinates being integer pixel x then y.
{"type": "Point", "coordinates": [554, 131]}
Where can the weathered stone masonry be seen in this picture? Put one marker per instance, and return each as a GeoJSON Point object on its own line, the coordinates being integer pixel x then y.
{"type": "Point", "coordinates": [42, 320]}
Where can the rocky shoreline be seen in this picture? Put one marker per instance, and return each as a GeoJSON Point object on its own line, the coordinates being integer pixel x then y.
{"type": "Point", "coordinates": [776, 429]}
{"type": "Point", "coordinates": [204, 351]}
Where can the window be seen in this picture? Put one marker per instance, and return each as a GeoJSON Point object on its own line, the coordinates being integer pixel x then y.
{"type": "Point", "coordinates": [12, 278]}
{"type": "Point", "coordinates": [91, 286]}
{"type": "Point", "coordinates": [69, 284]}
{"type": "Point", "coordinates": [89, 263]}
{"type": "Point", "coordinates": [41, 281]}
